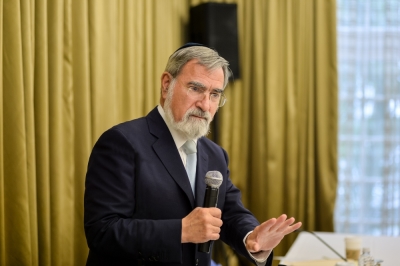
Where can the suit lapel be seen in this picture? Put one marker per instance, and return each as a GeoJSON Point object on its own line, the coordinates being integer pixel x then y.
{"type": "Point", "coordinates": [166, 150]}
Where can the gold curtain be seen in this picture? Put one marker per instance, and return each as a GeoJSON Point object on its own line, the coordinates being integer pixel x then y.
{"type": "Point", "coordinates": [280, 124]}
{"type": "Point", "coordinates": [71, 69]}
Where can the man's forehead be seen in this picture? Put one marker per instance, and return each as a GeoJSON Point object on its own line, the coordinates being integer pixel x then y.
{"type": "Point", "coordinates": [211, 82]}
{"type": "Point", "coordinates": [194, 68]}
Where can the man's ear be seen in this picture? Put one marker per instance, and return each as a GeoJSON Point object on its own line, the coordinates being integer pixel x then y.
{"type": "Point", "coordinates": [166, 80]}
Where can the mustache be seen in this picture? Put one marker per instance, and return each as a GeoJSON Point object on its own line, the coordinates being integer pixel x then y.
{"type": "Point", "coordinates": [199, 113]}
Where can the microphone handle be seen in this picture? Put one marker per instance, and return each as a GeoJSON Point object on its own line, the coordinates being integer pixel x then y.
{"type": "Point", "coordinates": [211, 197]}
{"type": "Point", "coordinates": [210, 200]}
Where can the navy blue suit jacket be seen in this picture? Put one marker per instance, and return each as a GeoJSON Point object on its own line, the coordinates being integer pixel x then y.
{"type": "Point", "coordinates": [137, 192]}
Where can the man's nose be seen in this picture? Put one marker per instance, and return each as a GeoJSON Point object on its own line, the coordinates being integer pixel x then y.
{"type": "Point", "coordinates": [205, 103]}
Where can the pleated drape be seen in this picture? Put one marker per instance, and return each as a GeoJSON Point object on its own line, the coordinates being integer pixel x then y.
{"type": "Point", "coordinates": [71, 69]}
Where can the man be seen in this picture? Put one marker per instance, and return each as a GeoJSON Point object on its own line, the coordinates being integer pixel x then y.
{"type": "Point", "coordinates": [142, 208]}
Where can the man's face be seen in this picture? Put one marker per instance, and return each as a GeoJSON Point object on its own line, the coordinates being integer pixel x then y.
{"type": "Point", "coordinates": [191, 115]}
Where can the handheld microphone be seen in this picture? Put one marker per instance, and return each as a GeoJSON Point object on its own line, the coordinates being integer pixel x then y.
{"type": "Point", "coordinates": [213, 181]}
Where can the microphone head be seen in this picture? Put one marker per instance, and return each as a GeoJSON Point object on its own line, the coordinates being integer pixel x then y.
{"type": "Point", "coordinates": [213, 179]}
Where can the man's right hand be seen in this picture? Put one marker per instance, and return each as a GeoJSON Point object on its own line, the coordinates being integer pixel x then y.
{"type": "Point", "coordinates": [201, 225]}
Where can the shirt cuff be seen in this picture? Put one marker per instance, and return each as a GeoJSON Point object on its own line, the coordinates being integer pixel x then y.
{"type": "Point", "coordinates": [259, 257]}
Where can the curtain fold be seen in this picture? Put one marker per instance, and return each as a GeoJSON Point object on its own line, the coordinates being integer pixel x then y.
{"type": "Point", "coordinates": [71, 69]}
{"type": "Point", "coordinates": [18, 145]}
{"type": "Point", "coordinates": [42, 132]}
{"type": "Point", "coordinates": [83, 127]}
{"type": "Point", "coordinates": [2, 172]}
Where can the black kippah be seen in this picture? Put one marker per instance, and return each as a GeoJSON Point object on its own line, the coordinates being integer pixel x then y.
{"type": "Point", "coordinates": [189, 44]}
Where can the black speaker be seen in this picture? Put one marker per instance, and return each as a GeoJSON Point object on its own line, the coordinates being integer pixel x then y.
{"type": "Point", "coordinates": [215, 25]}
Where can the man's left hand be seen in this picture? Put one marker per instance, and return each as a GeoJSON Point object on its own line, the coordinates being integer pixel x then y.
{"type": "Point", "coordinates": [269, 234]}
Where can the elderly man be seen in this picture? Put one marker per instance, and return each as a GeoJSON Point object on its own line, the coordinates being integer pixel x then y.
{"type": "Point", "coordinates": [143, 206]}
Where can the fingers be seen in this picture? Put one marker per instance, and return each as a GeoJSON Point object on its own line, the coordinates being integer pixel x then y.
{"type": "Point", "coordinates": [279, 222]}
{"type": "Point", "coordinates": [288, 226]}
{"type": "Point", "coordinates": [213, 216]}
{"type": "Point", "coordinates": [201, 225]}
{"type": "Point", "coordinates": [214, 212]}
{"type": "Point", "coordinates": [270, 233]}
{"type": "Point", "coordinates": [285, 225]}
{"type": "Point", "coordinates": [293, 227]}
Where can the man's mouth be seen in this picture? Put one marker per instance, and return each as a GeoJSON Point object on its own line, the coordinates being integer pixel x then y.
{"type": "Point", "coordinates": [196, 116]}
{"type": "Point", "coordinates": [199, 115]}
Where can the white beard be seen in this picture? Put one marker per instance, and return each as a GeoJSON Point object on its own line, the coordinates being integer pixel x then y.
{"type": "Point", "coordinates": [190, 127]}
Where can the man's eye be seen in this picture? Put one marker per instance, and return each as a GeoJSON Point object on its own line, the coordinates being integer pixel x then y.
{"type": "Point", "coordinates": [216, 95]}
{"type": "Point", "coordinates": [195, 89]}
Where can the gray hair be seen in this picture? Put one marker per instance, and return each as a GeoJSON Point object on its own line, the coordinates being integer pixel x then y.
{"type": "Point", "coordinates": [205, 56]}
